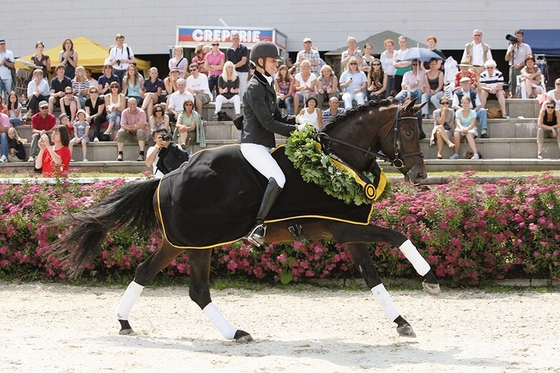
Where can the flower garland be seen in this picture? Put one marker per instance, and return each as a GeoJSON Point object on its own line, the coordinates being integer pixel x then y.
{"type": "Point", "coordinates": [336, 179]}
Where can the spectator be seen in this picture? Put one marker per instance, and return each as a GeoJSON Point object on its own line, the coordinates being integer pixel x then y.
{"type": "Point", "coordinates": [151, 92]}
{"type": "Point", "coordinates": [16, 151]}
{"type": "Point", "coordinates": [58, 85]}
{"type": "Point", "coordinates": [367, 58]}
{"type": "Point", "coordinates": [333, 110]}
{"type": "Point", "coordinates": [189, 125]}
{"type": "Point", "coordinates": [305, 82]}
{"type": "Point", "coordinates": [555, 93]}
{"type": "Point", "coordinates": [309, 54]}
{"type": "Point", "coordinates": [14, 109]}
{"type": "Point", "coordinates": [444, 122]}
{"type": "Point", "coordinates": [115, 103]}
{"type": "Point", "coordinates": [289, 63]}
{"type": "Point", "coordinates": [3, 108]}
{"type": "Point", "coordinates": [412, 83]}
{"type": "Point", "coordinates": [152, 156]}
{"type": "Point", "coordinates": [387, 58]}
{"type": "Point", "coordinates": [176, 101]}
{"type": "Point", "coordinates": [465, 126]}
{"type": "Point", "coordinates": [353, 84]}
{"type": "Point", "coordinates": [159, 119]}
{"type": "Point", "coordinates": [531, 78]}
{"type": "Point", "coordinates": [120, 57]}
{"type": "Point", "coordinates": [239, 55]}
{"type": "Point", "coordinates": [6, 66]}
{"type": "Point", "coordinates": [105, 80]}
{"type": "Point", "coordinates": [4, 127]}
{"type": "Point", "coordinates": [432, 46]}
{"type": "Point", "coordinates": [132, 84]}
{"type": "Point", "coordinates": [477, 53]}
{"type": "Point", "coordinates": [37, 91]}
{"type": "Point", "coordinates": [327, 86]}
{"type": "Point", "coordinates": [351, 52]}
{"type": "Point", "coordinates": [170, 82]}
{"type": "Point", "coordinates": [80, 84]}
{"type": "Point", "coordinates": [69, 105]}
{"type": "Point", "coordinates": [548, 124]}
{"type": "Point", "coordinates": [53, 160]}
{"type": "Point", "coordinates": [214, 64]}
{"type": "Point", "coordinates": [81, 134]}
{"type": "Point", "coordinates": [179, 62]}
{"type": "Point", "coordinates": [284, 86]}
{"type": "Point", "coordinates": [228, 88]}
{"type": "Point", "coordinates": [40, 60]}
{"type": "Point", "coordinates": [433, 87]}
{"type": "Point", "coordinates": [312, 114]}
{"type": "Point", "coordinates": [92, 82]}
{"type": "Point", "coordinates": [492, 85]}
{"type": "Point", "coordinates": [474, 101]}
{"type": "Point", "coordinates": [199, 53]}
{"type": "Point", "coordinates": [96, 113]}
{"type": "Point", "coordinates": [465, 72]}
{"type": "Point", "coordinates": [133, 129]}
{"type": "Point", "coordinates": [68, 58]}
{"type": "Point", "coordinates": [377, 81]}
{"type": "Point", "coordinates": [515, 55]}
{"type": "Point", "coordinates": [401, 67]}
{"type": "Point", "coordinates": [41, 123]}
{"type": "Point", "coordinates": [197, 85]}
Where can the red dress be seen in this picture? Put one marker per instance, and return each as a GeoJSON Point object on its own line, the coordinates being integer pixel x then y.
{"type": "Point", "coordinates": [51, 169]}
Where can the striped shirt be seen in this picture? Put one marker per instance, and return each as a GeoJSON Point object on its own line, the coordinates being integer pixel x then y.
{"type": "Point", "coordinates": [491, 81]}
{"type": "Point", "coordinates": [80, 86]}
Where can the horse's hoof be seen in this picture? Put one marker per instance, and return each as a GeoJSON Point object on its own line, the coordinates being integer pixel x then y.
{"type": "Point", "coordinates": [405, 330]}
{"type": "Point", "coordinates": [242, 336]}
{"type": "Point", "coordinates": [127, 332]}
{"type": "Point", "coordinates": [432, 289]}
{"type": "Point", "coordinates": [126, 329]}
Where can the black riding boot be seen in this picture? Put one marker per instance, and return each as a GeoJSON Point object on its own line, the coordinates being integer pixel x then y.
{"type": "Point", "coordinates": [256, 237]}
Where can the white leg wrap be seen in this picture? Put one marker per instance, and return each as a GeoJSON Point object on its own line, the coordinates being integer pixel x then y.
{"type": "Point", "coordinates": [420, 264]}
{"type": "Point", "coordinates": [385, 301]}
{"type": "Point", "coordinates": [219, 321]}
{"type": "Point", "coordinates": [130, 297]}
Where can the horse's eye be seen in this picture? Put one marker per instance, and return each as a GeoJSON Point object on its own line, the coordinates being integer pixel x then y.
{"type": "Point", "coordinates": [408, 133]}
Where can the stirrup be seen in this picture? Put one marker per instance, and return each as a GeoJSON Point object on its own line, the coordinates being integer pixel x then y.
{"type": "Point", "coordinates": [256, 237]}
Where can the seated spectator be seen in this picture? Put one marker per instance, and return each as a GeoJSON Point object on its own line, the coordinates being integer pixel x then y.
{"type": "Point", "coordinates": [197, 85]}
{"type": "Point", "coordinates": [327, 86]}
{"type": "Point", "coordinates": [80, 84]}
{"type": "Point", "coordinates": [14, 109]}
{"type": "Point", "coordinates": [433, 88]}
{"type": "Point", "coordinates": [377, 81]}
{"type": "Point", "coordinates": [179, 62]}
{"type": "Point", "coordinates": [466, 90]}
{"type": "Point", "coordinates": [284, 86]}
{"type": "Point", "coordinates": [412, 83]}
{"type": "Point", "coordinates": [353, 84]}
{"type": "Point", "coordinates": [105, 80]}
{"type": "Point", "coordinates": [81, 134]}
{"type": "Point", "coordinates": [465, 126]}
{"type": "Point", "coordinates": [152, 156]}
{"type": "Point", "coordinates": [305, 82]}
{"type": "Point", "coordinates": [115, 103]}
{"type": "Point", "coordinates": [332, 111]}
{"type": "Point", "coordinates": [187, 124]}
{"type": "Point", "coordinates": [555, 93]}
{"type": "Point", "coordinates": [92, 82]}
{"type": "Point", "coordinates": [132, 84]}
{"type": "Point", "coordinates": [53, 160]}
{"type": "Point", "coordinates": [228, 88]}
{"type": "Point", "coordinates": [214, 64]}
{"type": "Point", "coordinates": [492, 85]}
{"type": "Point", "coordinates": [465, 72]}
{"type": "Point", "coordinates": [159, 119]}
{"type": "Point", "coordinates": [41, 123]}
{"type": "Point", "coordinates": [69, 105]}
{"type": "Point", "coordinates": [4, 127]}
{"type": "Point", "coordinates": [548, 124]}
{"type": "Point", "coordinates": [176, 101]}
{"type": "Point", "coordinates": [57, 86]}
{"type": "Point", "coordinates": [37, 91]}
{"type": "Point", "coordinates": [151, 92]}
{"type": "Point", "coordinates": [96, 113]}
{"type": "Point", "coordinates": [312, 114]}
{"type": "Point", "coordinates": [133, 129]}
{"type": "Point", "coordinates": [16, 151]}
{"type": "Point", "coordinates": [531, 78]}
{"type": "Point", "coordinates": [170, 82]}
{"type": "Point", "coordinates": [444, 124]}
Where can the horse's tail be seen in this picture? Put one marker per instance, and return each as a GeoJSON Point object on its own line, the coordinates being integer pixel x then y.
{"type": "Point", "coordinates": [130, 206]}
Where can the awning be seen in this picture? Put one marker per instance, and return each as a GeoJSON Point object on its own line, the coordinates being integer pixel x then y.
{"type": "Point", "coordinates": [543, 41]}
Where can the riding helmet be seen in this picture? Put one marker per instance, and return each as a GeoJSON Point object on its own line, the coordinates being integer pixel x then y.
{"type": "Point", "coordinates": [264, 49]}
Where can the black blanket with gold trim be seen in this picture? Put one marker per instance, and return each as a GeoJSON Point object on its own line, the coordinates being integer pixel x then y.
{"type": "Point", "coordinates": [214, 199]}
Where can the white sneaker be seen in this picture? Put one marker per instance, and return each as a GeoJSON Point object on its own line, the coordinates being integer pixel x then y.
{"type": "Point", "coordinates": [85, 160]}
{"type": "Point", "coordinates": [3, 159]}
{"type": "Point", "coordinates": [96, 140]}
{"type": "Point", "coordinates": [475, 156]}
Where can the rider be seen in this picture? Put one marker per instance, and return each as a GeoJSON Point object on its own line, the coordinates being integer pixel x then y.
{"type": "Point", "coordinates": [262, 121]}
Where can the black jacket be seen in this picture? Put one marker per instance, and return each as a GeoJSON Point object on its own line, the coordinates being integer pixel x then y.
{"type": "Point", "coordinates": [262, 117]}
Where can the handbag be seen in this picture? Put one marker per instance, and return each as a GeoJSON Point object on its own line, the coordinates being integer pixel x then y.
{"type": "Point", "coordinates": [494, 112]}
{"type": "Point", "coordinates": [224, 117]}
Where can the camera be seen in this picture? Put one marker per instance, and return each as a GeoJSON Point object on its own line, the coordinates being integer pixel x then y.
{"type": "Point", "coordinates": [512, 39]}
{"type": "Point", "coordinates": [118, 62]}
{"type": "Point", "coordinates": [166, 137]}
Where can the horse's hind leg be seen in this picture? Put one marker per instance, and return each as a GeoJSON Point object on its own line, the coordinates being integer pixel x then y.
{"type": "Point", "coordinates": [199, 292]}
{"type": "Point", "coordinates": [145, 272]}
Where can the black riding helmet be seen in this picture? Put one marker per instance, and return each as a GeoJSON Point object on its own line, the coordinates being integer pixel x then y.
{"type": "Point", "coordinates": [264, 49]}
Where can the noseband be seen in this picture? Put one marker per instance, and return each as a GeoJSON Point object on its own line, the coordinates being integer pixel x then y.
{"type": "Point", "coordinates": [398, 161]}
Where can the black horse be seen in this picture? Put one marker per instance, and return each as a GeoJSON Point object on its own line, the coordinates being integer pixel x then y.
{"type": "Point", "coordinates": [355, 138]}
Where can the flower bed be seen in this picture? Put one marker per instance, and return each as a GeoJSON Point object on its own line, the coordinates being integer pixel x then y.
{"type": "Point", "coordinates": [468, 232]}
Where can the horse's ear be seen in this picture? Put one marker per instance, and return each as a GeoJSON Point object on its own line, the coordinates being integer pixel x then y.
{"type": "Point", "coordinates": [418, 107]}
{"type": "Point", "coordinates": [409, 105]}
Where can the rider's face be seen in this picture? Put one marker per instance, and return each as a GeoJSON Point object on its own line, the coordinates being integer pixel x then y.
{"type": "Point", "coordinates": [271, 66]}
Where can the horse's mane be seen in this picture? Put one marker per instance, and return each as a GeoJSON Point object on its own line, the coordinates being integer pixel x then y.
{"type": "Point", "coordinates": [342, 118]}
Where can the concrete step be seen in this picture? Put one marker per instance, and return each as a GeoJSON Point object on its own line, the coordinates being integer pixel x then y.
{"type": "Point", "coordinates": [500, 128]}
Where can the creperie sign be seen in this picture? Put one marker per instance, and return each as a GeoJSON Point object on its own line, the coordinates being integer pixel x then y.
{"type": "Point", "coordinates": [190, 36]}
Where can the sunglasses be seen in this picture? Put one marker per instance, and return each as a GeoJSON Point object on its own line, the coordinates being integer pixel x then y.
{"type": "Point", "coordinates": [191, 70]}
{"type": "Point", "coordinates": [353, 63]}
{"type": "Point", "coordinates": [376, 64]}
{"type": "Point", "coordinates": [215, 45]}
{"type": "Point", "coordinates": [414, 64]}
{"type": "Point", "coordinates": [551, 107]}
{"type": "Point", "coordinates": [92, 91]}
{"type": "Point", "coordinates": [44, 108]}
{"type": "Point", "coordinates": [158, 111]}
{"type": "Point", "coordinates": [68, 93]}
{"type": "Point", "coordinates": [444, 103]}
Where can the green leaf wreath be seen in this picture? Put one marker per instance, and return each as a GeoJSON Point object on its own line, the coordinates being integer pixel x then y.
{"type": "Point", "coordinates": [336, 179]}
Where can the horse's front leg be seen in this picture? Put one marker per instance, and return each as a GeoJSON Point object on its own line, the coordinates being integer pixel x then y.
{"type": "Point", "coordinates": [199, 292]}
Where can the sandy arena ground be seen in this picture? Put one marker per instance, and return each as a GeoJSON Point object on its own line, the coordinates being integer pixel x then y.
{"type": "Point", "coordinates": [57, 328]}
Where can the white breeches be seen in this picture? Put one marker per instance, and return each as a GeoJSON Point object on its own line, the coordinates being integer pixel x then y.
{"type": "Point", "coordinates": [220, 100]}
{"type": "Point", "coordinates": [260, 158]}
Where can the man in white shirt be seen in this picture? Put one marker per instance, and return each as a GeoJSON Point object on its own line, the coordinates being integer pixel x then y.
{"type": "Point", "coordinates": [477, 53]}
{"type": "Point", "coordinates": [197, 84]}
{"type": "Point", "coordinates": [516, 54]}
{"type": "Point", "coordinates": [120, 56]}
{"type": "Point", "coordinates": [152, 156]}
{"type": "Point", "coordinates": [177, 99]}
{"type": "Point", "coordinates": [6, 63]}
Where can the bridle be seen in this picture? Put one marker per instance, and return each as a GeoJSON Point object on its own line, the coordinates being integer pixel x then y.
{"type": "Point", "coordinates": [397, 162]}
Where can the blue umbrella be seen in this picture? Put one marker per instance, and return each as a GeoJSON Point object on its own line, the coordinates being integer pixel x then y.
{"type": "Point", "coordinates": [421, 54]}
